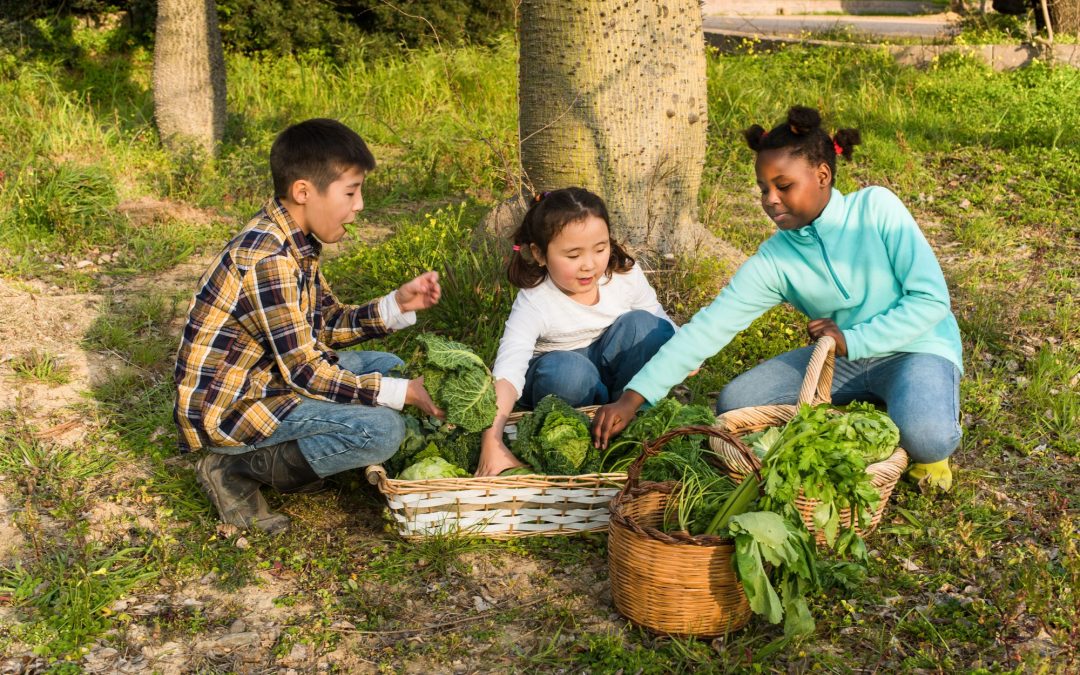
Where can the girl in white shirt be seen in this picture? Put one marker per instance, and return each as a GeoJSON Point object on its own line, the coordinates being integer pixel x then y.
{"type": "Point", "coordinates": [582, 325]}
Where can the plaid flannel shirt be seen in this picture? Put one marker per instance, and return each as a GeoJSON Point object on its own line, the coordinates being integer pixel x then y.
{"type": "Point", "coordinates": [259, 335]}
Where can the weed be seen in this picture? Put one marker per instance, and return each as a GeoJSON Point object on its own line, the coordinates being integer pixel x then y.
{"type": "Point", "coordinates": [41, 366]}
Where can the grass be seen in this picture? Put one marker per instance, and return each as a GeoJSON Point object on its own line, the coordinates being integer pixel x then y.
{"type": "Point", "coordinates": [984, 579]}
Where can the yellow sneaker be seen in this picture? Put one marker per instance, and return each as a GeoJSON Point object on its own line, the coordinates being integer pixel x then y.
{"type": "Point", "coordinates": [933, 475]}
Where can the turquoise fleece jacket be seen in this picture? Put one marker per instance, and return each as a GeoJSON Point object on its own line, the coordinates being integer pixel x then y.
{"type": "Point", "coordinates": [863, 263]}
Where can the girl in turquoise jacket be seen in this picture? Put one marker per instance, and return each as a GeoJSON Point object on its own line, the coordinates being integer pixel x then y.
{"type": "Point", "coordinates": [860, 269]}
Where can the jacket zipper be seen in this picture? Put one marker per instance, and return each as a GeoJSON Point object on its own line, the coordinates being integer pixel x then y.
{"type": "Point", "coordinates": [828, 264]}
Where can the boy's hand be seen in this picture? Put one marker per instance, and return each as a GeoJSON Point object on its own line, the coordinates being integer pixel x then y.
{"type": "Point", "coordinates": [613, 417]}
{"type": "Point", "coordinates": [495, 457]}
{"type": "Point", "coordinates": [819, 327]}
{"type": "Point", "coordinates": [418, 396]}
{"type": "Point", "coordinates": [423, 292]}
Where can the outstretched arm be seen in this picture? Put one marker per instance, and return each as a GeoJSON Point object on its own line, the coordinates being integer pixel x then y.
{"type": "Point", "coordinates": [495, 457]}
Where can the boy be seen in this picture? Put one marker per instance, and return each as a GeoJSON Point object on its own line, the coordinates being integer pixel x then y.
{"type": "Point", "coordinates": [258, 384]}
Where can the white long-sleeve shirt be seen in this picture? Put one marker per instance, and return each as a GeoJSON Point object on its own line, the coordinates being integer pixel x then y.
{"type": "Point", "coordinates": [544, 319]}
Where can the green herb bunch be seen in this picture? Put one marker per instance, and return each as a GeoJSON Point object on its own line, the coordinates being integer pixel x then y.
{"type": "Point", "coordinates": [822, 454]}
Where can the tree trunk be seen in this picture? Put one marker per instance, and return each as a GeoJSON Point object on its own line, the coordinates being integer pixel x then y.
{"type": "Point", "coordinates": [189, 74]}
{"type": "Point", "coordinates": [1064, 16]}
{"type": "Point", "coordinates": [613, 98]}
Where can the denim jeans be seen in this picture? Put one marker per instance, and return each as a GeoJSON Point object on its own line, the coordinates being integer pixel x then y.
{"type": "Point", "coordinates": [597, 374]}
{"type": "Point", "coordinates": [920, 391]}
{"type": "Point", "coordinates": [336, 437]}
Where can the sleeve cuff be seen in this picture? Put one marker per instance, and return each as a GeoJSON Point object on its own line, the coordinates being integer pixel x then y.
{"type": "Point", "coordinates": [392, 316]}
{"type": "Point", "coordinates": [854, 346]}
{"type": "Point", "coordinates": [392, 392]}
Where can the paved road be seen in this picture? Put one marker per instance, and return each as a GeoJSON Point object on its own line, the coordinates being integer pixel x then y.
{"type": "Point", "coordinates": [927, 27]}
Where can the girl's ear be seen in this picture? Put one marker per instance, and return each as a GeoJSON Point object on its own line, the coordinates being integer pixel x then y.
{"type": "Point", "coordinates": [537, 255]}
{"type": "Point", "coordinates": [824, 175]}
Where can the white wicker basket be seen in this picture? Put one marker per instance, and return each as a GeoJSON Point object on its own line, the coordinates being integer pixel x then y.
{"type": "Point", "coordinates": [499, 507]}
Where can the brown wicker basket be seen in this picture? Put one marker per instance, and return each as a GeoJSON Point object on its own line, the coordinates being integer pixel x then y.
{"type": "Point", "coordinates": [671, 583]}
{"type": "Point", "coordinates": [816, 388]}
{"type": "Point", "coordinates": [499, 507]}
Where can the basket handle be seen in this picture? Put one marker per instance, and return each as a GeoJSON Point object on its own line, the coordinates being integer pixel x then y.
{"type": "Point", "coordinates": [817, 384]}
{"type": "Point", "coordinates": [375, 474]}
{"type": "Point", "coordinates": [651, 449]}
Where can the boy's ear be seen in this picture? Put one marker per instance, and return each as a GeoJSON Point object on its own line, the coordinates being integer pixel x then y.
{"type": "Point", "coordinates": [300, 190]}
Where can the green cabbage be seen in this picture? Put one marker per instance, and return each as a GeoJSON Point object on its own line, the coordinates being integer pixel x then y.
{"type": "Point", "coordinates": [555, 439]}
{"type": "Point", "coordinates": [459, 383]}
{"type": "Point", "coordinates": [876, 431]}
{"type": "Point", "coordinates": [432, 467]}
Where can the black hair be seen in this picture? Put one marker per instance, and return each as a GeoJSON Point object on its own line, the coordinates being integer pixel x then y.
{"type": "Point", "coordinates": [318, 150]}
{"type": "Point", "coordinates": [548, 215]}
{"type": "Point", "coordinates": [801, 134]}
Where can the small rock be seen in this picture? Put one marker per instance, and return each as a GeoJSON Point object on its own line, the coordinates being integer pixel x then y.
{"type": "Point", "coordinates": [296, 657]}
{"type": "Point", "coordinates": [238, 626]}
{"type": "Point", "coordinates": [480, 604]}
{"type": "Point", "coordinates": [119, 606]}
{"type": "Point", "coordinates": [191, 603]}
{"type": "Point", "coordinates": [234, 640]}
{"type": "Point", "coordinates": [965, 203]}
{"type": "Point", "coordinates": [208, 578]}
{"type": "Point", "coordinates": [342, 625]}
{"type": "Point", "coordinates": [83, 263]}
{"type": "Point", "coordinates": [242, 543]}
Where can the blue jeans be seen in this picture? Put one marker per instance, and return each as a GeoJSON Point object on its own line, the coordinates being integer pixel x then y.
{"type": "Point", "coordinates": [920, 391]}
{"type": "Point", "coordinates": [597, 374]}
{"type": "Point", "coordinates": [336, 437]}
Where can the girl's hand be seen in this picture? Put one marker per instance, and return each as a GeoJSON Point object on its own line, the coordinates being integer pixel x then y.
{"type": "Point", "coordinates": [418, 396]}
{"type": "Point", "coordinates": [495, 457]}
{"type": "Point", "coordinates": [423, 292]}
{"type": "Point", "coordinates": [819, 327]}
{"type": "Point", "coordinates": [613, 417]}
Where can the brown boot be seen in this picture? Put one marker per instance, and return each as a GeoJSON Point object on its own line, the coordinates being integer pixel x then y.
{"type": "Point", "coordinates": [226, 481]}
{"type": "Point", "coordinates": [283, 467]}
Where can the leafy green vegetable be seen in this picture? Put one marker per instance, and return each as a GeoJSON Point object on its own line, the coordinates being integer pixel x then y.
{"type": "Point", "coordinates": [876, 430]}
{"type": "Point", "coordinates": [554, 439]}
{"type": "Point", "coordinates": [518, 471]}
{"type": "Point", "coordinates": [764, 536]}
{"type": "Point", "coordinates": [432, 467]}
{"type": "Point", "coordinates": [760, 442]}
{"type": "Point", "coordinates": [695, 500]}
{"type": "Point", "coordinates": [679, 453]}
{"type": "Point", "coordinates": [428, 437]}
{"type": "Point", "coordinates": [459, 383]}
{"type": "Point", "coordinates": [820, 453]}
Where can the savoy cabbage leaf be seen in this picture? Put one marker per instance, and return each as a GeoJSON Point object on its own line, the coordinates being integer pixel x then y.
{"type": "Point", "coordinates": [459, 383]}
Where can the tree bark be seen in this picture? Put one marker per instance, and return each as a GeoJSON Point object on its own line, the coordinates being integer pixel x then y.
{"type": "Point", "coordinates": [613, 98]}
{"type": "Point", "coordinates": [189, 74]}
{"type": "Point", "coordinates": [1064, 16]}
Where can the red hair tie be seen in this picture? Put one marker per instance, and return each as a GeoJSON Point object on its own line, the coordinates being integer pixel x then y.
{"type": "Point", "coordinates": [836, 146]}
{"type": "Point", "coordinates": [517, 247]}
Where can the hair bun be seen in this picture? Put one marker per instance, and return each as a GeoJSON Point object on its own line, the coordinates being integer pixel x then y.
{"type": "Point", "coordinates": [753, 136]}
{"type": "Point", "coordinates": [847, 139]}
{"type": "Point", "coordinates": [802, 120]}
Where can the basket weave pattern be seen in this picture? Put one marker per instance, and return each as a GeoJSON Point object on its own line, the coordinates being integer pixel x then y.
{"type": "Point", "coordinates": [816, 389]}
{"type": "Point", "coordinates": [499, 507]}
{"type": "Point", "coordinates": [671, 583]}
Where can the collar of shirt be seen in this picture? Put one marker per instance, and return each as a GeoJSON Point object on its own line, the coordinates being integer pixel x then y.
{"type": "Point", "coordinates": [831, 218]}
{"type": "Point", "coordinates": [301, 244]}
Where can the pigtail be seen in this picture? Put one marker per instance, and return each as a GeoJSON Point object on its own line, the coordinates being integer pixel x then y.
{"type": "Point", "coordinates": [523, 271]}
{"type": "Point", "coordinates": [803, 121]}
{"type": "Point", "coordinates": [754, 136]}
{"type": "Point", "coordinates": [846, 140]}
